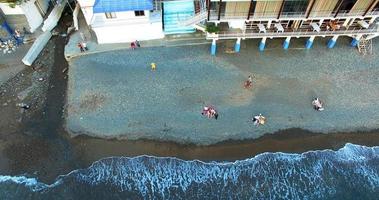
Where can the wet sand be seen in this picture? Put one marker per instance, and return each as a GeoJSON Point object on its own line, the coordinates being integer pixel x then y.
{"type": "Point", "coordinates": [47, 158]}
{"type": "Point", "coordinates": [289, 141]}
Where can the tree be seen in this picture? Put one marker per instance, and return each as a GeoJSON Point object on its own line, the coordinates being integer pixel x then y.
{"type": "Point", "coordinates": [13, 3]}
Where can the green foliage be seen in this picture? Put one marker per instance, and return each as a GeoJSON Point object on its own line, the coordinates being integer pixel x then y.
{"type": "Point", "coordinates": [13, 3]}
{"type": "Point", "coordinates": [212, 28]}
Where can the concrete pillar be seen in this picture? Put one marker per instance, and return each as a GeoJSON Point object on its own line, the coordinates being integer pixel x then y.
{"type": "Point", "coordinates": [351, 22]}
{"type": "Point", "coordinates": [332, 41]}
{"type": "Point", "coordinates": [355, 40]}
{"type": "Point", "coordinates": [286, 42]}
{"type": "Point", "coordinates": [269, 24]}
{"type": "Point", "coordinates": [372, 20]}
{"type": "Point", "coordinates": [309, 43]}
{"type": "Point", "coordinates": [321, 21]}
{"type": "Point", "coordinates": [6, 26]}
{"type": "Point", "coordinates": [213, 47]}
{"type": "Point", "coordinates": [237, 46]}
{"type": "Point", "coordinates": [262, 44]}
{"type": "Point", "coordinates": [346, 22]}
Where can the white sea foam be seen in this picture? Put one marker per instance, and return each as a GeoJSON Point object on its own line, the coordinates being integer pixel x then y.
{"type": "Point", "coordinates": [351, 170]}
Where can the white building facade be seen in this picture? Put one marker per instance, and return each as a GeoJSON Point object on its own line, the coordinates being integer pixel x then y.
{"type": "Point", "coordinates": [29, 14]}
{"type": "Point", "coordinates": [119, 21]}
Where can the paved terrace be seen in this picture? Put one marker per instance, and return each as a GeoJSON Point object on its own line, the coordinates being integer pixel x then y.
{"type": "Point", "coordinates": [115, 94]}
{"type": "Point", "coordinates": [84, 34]}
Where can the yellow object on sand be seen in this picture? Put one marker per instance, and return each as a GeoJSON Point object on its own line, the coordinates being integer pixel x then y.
{"type": "Point", "coordinates": [153, 66]}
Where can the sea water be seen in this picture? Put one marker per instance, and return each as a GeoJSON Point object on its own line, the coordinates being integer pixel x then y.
{"type": "Point", "coordinates": [349, 173]}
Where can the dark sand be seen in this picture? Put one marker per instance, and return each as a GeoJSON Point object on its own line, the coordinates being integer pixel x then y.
{"type": "Point", "coordinates": [40, 147]}
{"type": "Point", "coordinates": [290, 141]}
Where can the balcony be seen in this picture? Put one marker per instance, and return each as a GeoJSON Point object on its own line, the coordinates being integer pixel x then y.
{"type": "Point", "coordinates": [303, 31]}
{"type": "Point", "coordinates": [225, 16]}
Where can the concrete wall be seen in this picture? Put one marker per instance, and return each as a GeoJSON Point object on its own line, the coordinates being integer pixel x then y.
{"type": "Point", "coordinates": [87, 9]}
{"type": "Point", "coordinates": [128, 33]}
{"type": "Point", "coordinates": [43, 5]}
{"type": "Point", "coordinates": [25, 15]}
{"type": "Point", "coordinates": [32, 15]}
{"type": "Point", "coordinates": [126, 27]}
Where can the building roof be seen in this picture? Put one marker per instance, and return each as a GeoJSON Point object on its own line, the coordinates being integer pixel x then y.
{"type": "Point", "coordinates": [102, 6]}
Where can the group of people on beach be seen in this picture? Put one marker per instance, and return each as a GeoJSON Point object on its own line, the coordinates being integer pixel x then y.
{"type": "Point", "coordinates": [82, 46]}
{"type": "Point", "coordinates": [135, 44]}
{"type": "Point", "coordinates": [211, 112]}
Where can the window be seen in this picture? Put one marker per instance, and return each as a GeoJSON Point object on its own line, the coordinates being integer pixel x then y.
{"type": "Point", "coordinates": [110, 15]}
{"type": "Point", "coordinates": [139, 13]}
{"type": "Point", "coordinates": [295, 7]}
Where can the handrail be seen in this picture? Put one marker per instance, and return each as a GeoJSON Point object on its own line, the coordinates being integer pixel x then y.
{"type": "Point", "coordinates": [285, 15]}
{"type": "Point", "coordinates": [195, 19]}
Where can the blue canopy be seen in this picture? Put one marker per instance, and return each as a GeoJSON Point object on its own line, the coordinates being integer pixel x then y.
{"type": "Point", "coordinates": [102, 6]}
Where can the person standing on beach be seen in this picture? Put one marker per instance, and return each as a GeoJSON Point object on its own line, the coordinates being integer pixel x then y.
{"type": "Point", "coordinates": [80, 47]}
{"type": "Point", "coordinates": [84, 45]}
{"type": "Point", "coordinates": [133, 45]}
{"type": "Point", "coordinates": [153, 66]}
{"type": "Point", "coordinates": [137, 43]}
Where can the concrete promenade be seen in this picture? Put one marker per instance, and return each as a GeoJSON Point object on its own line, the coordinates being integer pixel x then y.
{"type": "Point", "coordinates": [115, 94]}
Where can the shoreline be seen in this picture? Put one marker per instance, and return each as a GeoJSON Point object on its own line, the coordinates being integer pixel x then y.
{"type": "Point", "coordinates": [48, 158]}
{"type": "Point", "coordinates": [287, 141]}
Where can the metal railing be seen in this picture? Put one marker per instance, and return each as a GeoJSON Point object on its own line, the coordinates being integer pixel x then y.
{"type": "Point", "coordinates": [286, 15]}
{"type": "Point", "coordinates": [292, 33]}
{"type": "Point", "coordinates": [195, 19]}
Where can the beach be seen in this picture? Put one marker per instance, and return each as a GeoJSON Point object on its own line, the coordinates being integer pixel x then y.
{"type": "Point", "coordinates": [116, 95]}
{"type": "Point", "coordinates": [42, 141]}
{"type": "Point", "coordinates": [39, 146]}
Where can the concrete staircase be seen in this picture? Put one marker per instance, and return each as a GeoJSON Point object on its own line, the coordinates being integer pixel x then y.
{"type": "Point", "coordinates": [200, 14]}
{"type": "Point", "coordinates": [176, 11]}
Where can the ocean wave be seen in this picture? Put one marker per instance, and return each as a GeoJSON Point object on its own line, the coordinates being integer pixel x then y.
{"type": "Point", "coordinates": [351, 171]}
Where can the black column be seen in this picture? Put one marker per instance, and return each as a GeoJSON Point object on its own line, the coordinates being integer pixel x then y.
{"type": "Point", "coordinates": [208, 8]}
{"type": "Point", "coordinates": [219, 10]}
{"type": "Point", "coordinates": [162, 15]}
{"type": "Point", "coordinates": [281, 9]}
{"type": "Point", "coordinates": [250, 8]}
{"type": "Point", "coordinates": [310, 9]}
{"type": "Point", "coordinates": [372, 5]}
{"type": "Point", "coordinates": [338, 7]}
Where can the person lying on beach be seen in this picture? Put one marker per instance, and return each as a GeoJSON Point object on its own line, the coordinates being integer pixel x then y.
{"type": "Point", "coordinates": [259, 120]}
{"type": "Point", "coordinates": [317, 104]}
{"type": "Point", "coordinates": [205, 111]}
{"type": "Point", "coordinates": [209, 112]}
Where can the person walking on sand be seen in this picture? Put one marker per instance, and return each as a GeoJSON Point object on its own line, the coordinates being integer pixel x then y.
{"type": "Point", "coordinates": [84, 45]}
{"type": "Point", "coordinates": [153, 66]}
{"type": "Point", "coordinates": [137, 43]}
{"type": "Point", "coordinates": [133, 45]}
{"type": "Point", "coordinates": [249, 82]}
{"type": "Point", "coordinates": [80, 47]}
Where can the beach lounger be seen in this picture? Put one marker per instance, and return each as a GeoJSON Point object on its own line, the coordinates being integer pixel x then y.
{"type": "Point", "coordinates": [363, 24]}
{"type": "Point", "coordinates": [261, 28]}
{"type": "Point", "coordinates": [315, 27]}
{"type": "Point", "coordinates": [279, 28]}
